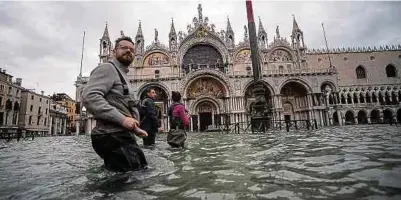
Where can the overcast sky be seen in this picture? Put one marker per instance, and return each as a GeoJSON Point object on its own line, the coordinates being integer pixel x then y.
{"type": "Point", "coordinates": [40, 42]}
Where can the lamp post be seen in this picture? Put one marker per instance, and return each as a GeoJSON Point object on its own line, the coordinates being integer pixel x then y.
{"type": "Point", "coordinates": [260, 117]}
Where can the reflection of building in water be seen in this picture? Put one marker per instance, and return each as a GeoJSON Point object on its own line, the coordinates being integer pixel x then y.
{"type": "Point", "coordinates": [214, 75]}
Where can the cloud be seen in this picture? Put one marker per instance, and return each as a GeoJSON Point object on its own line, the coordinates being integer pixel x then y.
{"type": "Point", "coordinates": [41, 41]}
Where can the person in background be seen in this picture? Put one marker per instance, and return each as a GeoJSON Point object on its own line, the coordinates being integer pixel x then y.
{"type": "Point", "coordinates": [179, 121]}
{"type": "Point", "coordinates": [149, 118]}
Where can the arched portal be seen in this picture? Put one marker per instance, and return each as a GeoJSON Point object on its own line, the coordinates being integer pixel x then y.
{"type": "Point", "coordinates": [202, 56]}
{"type": "Point", "coordinates": [207, 112]}
{"type": "Point", "coordinates": [335, 118]}
{"type": "Point", "coordinates": [205, 92]}
{"type": "Point", "coordinates": [362, 118]}
{"type": "Point", "coordinates": [387, 116]}
{"type": "Point", "coordinates": [296, 94]}
{"type": "Point", "coordinates": [206, 86]}
{"type": "Point", "coordinates": [375, 117]}
{"type": "Point", "coordinates": [161, 102]}
{"type": "Point", "coordinates": [349, 117]}
{"type": "Point", "coordinates": [249, 96]}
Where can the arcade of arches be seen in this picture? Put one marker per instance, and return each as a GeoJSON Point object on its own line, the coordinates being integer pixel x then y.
{"type": "Point", "coordinates": [209, 105]}
{"type": "Point", "coordinates": [374, 116]}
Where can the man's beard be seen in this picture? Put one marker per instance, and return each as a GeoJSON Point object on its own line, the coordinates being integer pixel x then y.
{"type": "Point", "coordinates": [125, 59]}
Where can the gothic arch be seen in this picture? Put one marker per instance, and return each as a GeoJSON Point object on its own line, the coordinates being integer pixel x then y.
{"type": "Point", "coordinates": [283, 48]}
{"type": "Point", "coordinates": [192, 76]}
{"type": "Point", "coordinates": [297, 80]}
{"type": "Point", "coordinates": [240, 49]}
{"type": "Point", "coordinates": [143, 87]}
{"type": "Point", "coordinates": [154, 52]}
{"type": "Point", "coordinates": [209, 99]}
{"type": "Point", "coordinates": [362, 116]}
{"type": "Point", "coordinates": [215, 43]}
{"type": "Point", "coordinates": [330, 83]}
{"type": "Point", "coordinates": [251, 81]}
{"type": "Point", "coordinates": [391, 70]}
{"type": "Point", "coordinates": [349, 117]}
{"type": "Point", "coordinates": [361, 72]}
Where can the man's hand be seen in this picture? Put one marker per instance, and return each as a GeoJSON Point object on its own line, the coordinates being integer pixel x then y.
{"type": "Point", "coordinates": [130, 123]}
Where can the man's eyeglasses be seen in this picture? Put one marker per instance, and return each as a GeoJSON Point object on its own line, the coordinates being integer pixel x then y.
{"type": "Point", "coordinates": [125, 48]}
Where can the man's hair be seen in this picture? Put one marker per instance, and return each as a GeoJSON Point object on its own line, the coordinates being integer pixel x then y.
{"type": "Point", "coordinates": [126, 38]}
{"type": "Point", "coordinates": [175, 96]}
{"type": "Point", "coordinates": [149, 89]}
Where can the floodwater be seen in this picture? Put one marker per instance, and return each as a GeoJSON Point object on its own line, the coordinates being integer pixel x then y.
{"type": "Point", "coordinates": [351, 162]}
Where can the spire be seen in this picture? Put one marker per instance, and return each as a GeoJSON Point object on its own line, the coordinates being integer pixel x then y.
{"type": "Point", "coordinates": [262, 36]}
{"type": "Point", "coordinates": [229, 29]}
{"type": "Point", "coordinates": [230, 40]}
{"type": "Point", "coordinates": [261, 29]}
{"type": "Point", "coordinates": [295, 27]}
{"type": "Point", "coordinates": [139, 32]}
{"type": "Point", "coordinates": [139, 40]}
{"type": "Point", "coordinates": [106, 32]}
{"type": "Point", "coordinates": [172, 30]}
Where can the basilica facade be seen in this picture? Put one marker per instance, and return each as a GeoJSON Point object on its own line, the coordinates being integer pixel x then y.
{"type": "Point", "coordinates": [213, 71]}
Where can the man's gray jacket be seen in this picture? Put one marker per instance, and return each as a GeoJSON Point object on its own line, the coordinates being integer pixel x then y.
{"type": "Point", "coordinates": [103, 97]}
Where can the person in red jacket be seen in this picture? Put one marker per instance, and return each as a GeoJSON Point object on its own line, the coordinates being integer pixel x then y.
{"type": "Point", "coordinates": [179, 121]}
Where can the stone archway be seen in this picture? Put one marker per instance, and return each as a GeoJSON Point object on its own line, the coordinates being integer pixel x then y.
{"type": "Point", "coordinates": [335, 118]}
{"type": "Point", "coordinates": [328, 89]}
{"type": "Point", "coordinates": [296, 94]}
{"type": "Point", "coordinates": [205, 86]}
{"type": "Point", "coordinates": [387, 116]}
{"type": "Point", "coordinates": [207, 114]}
{"type": "Point", "coordinates": [362, 117]}
{"type": "Point", "coordinates": [202, 56]}
{"type": "Point", "coordinates": [349, 118]}
{"type": "Point", "coordinates": [202, 92]}
{"type": "Point", "coordinates": [249, 97]}
{"type": "Point", "coordinates": [375, 116]}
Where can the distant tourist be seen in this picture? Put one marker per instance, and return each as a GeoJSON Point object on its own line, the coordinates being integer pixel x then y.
{"type": "Point", "coordinates": [109, 98]}
{"type": "Point", "coordinates": [179, 121]}
{"type": "Point", "coordinates": [149, 118]}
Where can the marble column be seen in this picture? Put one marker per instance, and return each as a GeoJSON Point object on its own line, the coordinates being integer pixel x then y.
{"type": "Point", "coordinates": [64, 125]}
{"type": "Point", "coordinates": [77, 126]}
{"type": "Point", "coordinates": [50, 125]}
{"type": "Point", "coordinates": [340, 121]}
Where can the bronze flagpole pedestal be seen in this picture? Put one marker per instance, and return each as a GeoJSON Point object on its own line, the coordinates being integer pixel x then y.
{"type": "Point", "coordinates": [260, 112]}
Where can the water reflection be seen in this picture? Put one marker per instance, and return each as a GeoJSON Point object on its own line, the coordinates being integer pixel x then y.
{"type": "Point", "coordinates": [341, 163]}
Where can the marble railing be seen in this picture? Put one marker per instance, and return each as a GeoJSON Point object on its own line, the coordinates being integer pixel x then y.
{"type": "Point", "coordinates": [285, 72]}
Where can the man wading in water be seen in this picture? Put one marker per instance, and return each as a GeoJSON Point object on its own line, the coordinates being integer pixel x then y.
{"type": "Point", "coordinates": [108, 97]}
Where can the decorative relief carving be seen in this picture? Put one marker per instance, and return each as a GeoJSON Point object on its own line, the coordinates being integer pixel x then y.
{"type": "Point", "coordinates": [280, 56]}
{"type": "Point", "coordinates": [205, 86]}
{"type": "Point", "coordinates": [206, 107]}
{"type": "Point", "coordinates": [156, 59]}
{"type": "Point", "coordinates": [244, 56]}
{"type": "Point", "coordinates": [212, 72]}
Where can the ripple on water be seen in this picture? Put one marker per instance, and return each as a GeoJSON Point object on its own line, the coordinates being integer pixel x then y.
{"type": "Point", "coordinates": [350, 162]}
